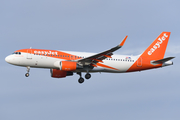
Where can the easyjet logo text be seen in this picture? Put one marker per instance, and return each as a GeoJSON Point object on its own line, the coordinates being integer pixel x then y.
{"type": "Point", "coordinates": [158, 44]}
{"type": "Point", "coordinates": [45, 52]}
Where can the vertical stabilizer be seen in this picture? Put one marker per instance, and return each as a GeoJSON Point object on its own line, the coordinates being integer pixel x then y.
{"type": "Point", "coordinates": [157, 49]}
{"type": "Point", "coordinates": [154, 52]}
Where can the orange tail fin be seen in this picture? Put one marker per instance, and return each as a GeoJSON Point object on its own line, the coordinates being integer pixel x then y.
{"type": "Point", "coordinates": [154, 52]}
{"type": "Point", "coordinates": [157, 49]}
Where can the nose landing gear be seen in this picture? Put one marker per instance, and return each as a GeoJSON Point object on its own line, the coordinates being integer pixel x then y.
{"type": "Point", "coordinates": [28, 69]}
{"type": "Point", "coordinates": [27, 74]}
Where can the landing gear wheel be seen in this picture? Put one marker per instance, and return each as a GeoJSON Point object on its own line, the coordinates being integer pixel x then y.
{"type": "Point", "coordinates": [81, 80]}
{"type": "Point", "coordinates": [28, 69]}
{"type": "Point", "coordinates": [87, 76]}
{"type": "Point", "coordinates": [27, 74]}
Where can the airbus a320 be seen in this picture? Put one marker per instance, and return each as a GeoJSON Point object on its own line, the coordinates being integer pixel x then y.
{"type": "Point", "coordinates": [66, 63]}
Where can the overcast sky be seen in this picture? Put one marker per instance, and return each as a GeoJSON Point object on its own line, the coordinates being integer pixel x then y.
{"type": "Point", "coordinates": [89, 26]}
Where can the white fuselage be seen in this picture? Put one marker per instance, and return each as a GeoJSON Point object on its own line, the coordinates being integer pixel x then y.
{"type": "Point", "coordinates": [120, 62]}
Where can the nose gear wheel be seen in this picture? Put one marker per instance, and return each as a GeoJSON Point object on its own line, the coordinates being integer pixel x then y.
{"type": "Point", "coordinates": [28, 69]}
{"type": "Point", "coordinates": [27, 74]}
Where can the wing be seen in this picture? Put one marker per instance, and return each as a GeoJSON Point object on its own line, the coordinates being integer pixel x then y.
{"type": "Point", "coordinates": [93, 60]}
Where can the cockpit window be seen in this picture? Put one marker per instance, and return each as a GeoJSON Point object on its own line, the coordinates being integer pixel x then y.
{"type": "Point", "coordinates": [17, 53]}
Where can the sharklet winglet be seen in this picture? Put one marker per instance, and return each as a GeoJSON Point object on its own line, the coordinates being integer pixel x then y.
{"type": "Point", "coordinates": [122, 43]}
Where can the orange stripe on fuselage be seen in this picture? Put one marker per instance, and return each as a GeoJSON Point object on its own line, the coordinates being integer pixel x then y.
{"type": "Point", "coordinates": [145, 65]}
{"type": "Point", "coordinates": [105, 66]}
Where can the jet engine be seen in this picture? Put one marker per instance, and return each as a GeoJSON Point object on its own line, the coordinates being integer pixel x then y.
{"type": "Point", "coordinates": [56, 73]}
{"type": "Point", "coordinates": [68, 66]}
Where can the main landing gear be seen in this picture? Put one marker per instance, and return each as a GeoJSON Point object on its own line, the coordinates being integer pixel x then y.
{"type": "Point", "coordinates": [81, 79]}
{"type": "Point", "coordinates": [28, 69]}
{"type": "Point", "coordinates": [87, 76]}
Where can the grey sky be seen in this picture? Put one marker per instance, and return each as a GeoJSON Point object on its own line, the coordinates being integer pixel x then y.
{"type": "Point", "coordinates": [90, 26]}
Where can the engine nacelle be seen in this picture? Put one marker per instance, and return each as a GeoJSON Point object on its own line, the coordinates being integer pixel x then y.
{"type": "Point", "coordinates": [68, 66]}
{"type": "Point", "coordinates": [56, 73]}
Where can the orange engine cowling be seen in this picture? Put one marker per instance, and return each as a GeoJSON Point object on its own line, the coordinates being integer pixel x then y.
{"type": "Point", "coordinates": [68, 66]}
{"type": "Point", "coordinates": [56, 73]}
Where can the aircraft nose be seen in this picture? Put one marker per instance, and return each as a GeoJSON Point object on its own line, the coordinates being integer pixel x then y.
{"type": "Point", "coordinates": [7, 59]}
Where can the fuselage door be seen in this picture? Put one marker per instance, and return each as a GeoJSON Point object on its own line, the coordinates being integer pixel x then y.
{"type": "Point", "coordinates": [139, 62]}
{"type": "Point", "coordinates": [29, 54]}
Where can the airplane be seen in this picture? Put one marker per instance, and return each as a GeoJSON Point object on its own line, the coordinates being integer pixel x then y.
{"type": "Point", "coordinates": [65, 63]}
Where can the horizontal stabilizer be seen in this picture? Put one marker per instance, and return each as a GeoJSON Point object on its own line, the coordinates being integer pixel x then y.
{"type": "Point", "coordinates": [161, 61]}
